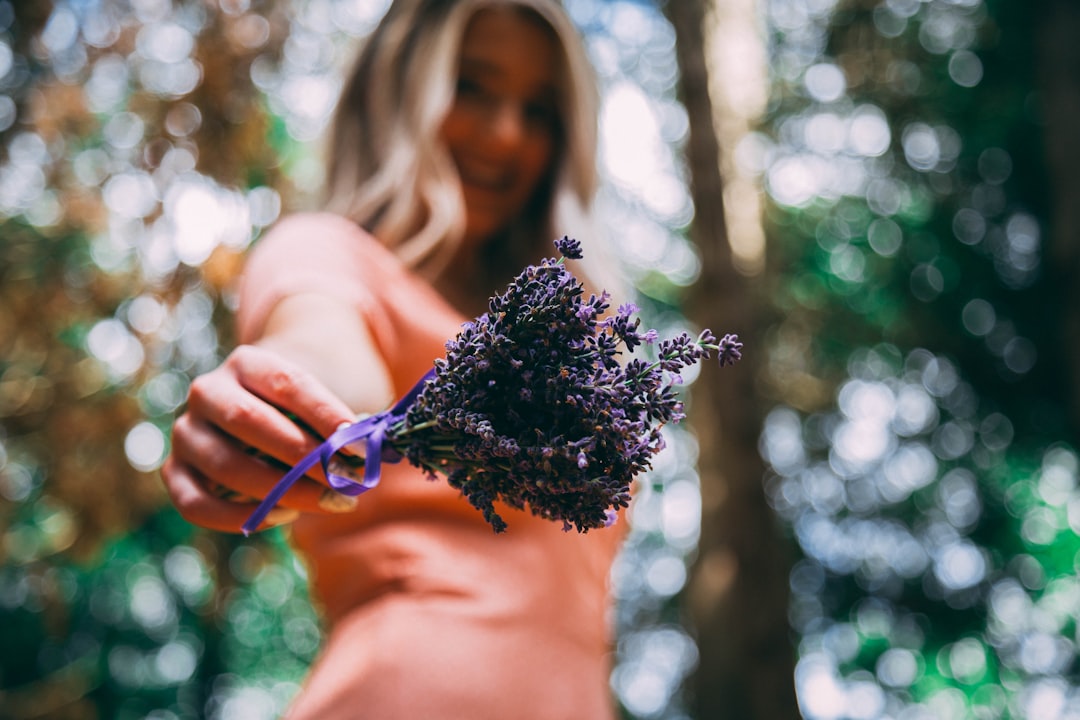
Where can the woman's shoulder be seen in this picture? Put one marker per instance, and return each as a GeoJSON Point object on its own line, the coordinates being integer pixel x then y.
{"type": "Point", "coordinates": [314, 252]}
{"type": "Point", "coordinates": [320, 238]}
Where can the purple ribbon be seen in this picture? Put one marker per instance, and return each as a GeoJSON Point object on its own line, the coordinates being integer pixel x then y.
{"type": "Point", "coordinates": [371, 429]}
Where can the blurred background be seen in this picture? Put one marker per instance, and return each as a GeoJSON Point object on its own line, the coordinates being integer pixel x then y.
{"type": "Point", "coordinates": [874, 515]}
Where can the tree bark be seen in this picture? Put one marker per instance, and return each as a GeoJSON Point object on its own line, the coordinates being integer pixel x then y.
{"type": "Point", "coordinates": [737, 596]}
{"type": "Point", "coordinates": [1058, 71]}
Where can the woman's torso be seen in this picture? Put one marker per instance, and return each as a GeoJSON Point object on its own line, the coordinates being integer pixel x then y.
{"type": "Point", "coordinates": [431, 614]}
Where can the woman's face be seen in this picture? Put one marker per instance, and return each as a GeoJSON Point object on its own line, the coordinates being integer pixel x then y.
{"type": "Point", "coordinates": [501, 130]}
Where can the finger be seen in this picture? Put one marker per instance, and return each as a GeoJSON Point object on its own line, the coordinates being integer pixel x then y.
{"type": "Point", "coordinates": [223, 463]}
{"type": "Point", "coordinates": [217, 399]}
{"type": "Point", "coordinates": [199, 507]}
{"type": "Point", "coordinates": [291, 389]}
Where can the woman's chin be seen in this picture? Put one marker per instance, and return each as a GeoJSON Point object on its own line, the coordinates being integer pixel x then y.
{"type": "Point", "coordinates": [479, 232]}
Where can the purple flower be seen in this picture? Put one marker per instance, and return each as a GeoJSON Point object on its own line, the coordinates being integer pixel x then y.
{"type": "Point", "coordinates": [533, 405]}
{"type": "Point", "coordinates": [566, 437]}
{"type": "Point", "coordinates": [569, 248]}
{"type": "Point", "coordinates": [730, 350]}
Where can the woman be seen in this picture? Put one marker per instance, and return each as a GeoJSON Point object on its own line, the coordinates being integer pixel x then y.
{"type": "Point", "coordinates": [463, 144]}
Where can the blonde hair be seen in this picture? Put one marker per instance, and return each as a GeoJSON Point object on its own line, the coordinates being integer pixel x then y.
{"type": "Point", "coordinates": [387, 169]}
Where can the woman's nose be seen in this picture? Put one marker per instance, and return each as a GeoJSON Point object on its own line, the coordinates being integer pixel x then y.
{"type": "Point", "coordinates": [507, 127]}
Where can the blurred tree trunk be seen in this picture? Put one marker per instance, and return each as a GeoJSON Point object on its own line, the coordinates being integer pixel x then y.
{"type": "Point", "coordinates": [1058, 67]}
{"type": "Point", "coordinates": [737, 597]}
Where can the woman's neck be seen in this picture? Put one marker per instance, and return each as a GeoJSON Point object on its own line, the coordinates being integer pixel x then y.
{"type": "Point", "coordinates": [466, 286]}
{"type": "Point", "coordinates": [476, 273]}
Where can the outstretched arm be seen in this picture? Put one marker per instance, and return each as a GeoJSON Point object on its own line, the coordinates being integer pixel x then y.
{"type": "Point", "coordinates": [314, 364]}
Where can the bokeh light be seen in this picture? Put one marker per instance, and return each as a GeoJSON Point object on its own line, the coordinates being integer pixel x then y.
{"type": "Point", "coordinates": [903, 447]}
{"type": "Point", "coordinates": [148, 144]}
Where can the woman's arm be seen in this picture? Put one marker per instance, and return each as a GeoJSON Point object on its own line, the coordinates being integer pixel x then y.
{"type": "Point", "coordinates": [315, 360]}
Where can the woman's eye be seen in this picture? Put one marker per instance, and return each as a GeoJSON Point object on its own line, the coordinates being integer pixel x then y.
{"type": "Point", "coordinates": [540, 114]}
{"type": "Point", "coordinates": [469, 88]}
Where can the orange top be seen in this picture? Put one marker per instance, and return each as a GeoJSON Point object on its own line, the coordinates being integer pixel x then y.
{"type": "Point", "coordinates": [430, 613]}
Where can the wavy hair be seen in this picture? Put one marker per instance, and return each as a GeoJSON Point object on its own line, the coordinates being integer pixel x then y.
{"type": "Point", "coordinates": [387, 168]}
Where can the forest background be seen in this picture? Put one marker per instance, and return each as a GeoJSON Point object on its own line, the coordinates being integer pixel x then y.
{"type": "Point", "coordinates": [875, 515]}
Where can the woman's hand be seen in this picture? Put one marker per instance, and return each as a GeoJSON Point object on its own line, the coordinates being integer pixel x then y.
{"type": "Point", "coordinates": [234, 438]}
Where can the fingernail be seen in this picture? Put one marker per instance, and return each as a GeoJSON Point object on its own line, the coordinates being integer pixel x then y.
{"type": "Point", "coordinates": [335, 502]}
{"type": "Point", "coordinates": [281, 516]}
{"type": "Point", "coordinates": [339, 467]}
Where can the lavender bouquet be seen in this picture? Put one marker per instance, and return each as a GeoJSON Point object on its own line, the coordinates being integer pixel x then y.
{"type": "Point", "coordinates": [532, 406]}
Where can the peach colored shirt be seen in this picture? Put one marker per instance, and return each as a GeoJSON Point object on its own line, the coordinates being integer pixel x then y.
{"type": "Point", "coordinates": [430, 614]}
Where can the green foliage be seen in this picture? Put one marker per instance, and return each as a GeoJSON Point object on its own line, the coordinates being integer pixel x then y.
{"type": "Point", "coordinates": [114, 288]}
{"type": "Point", "coordinates": [165, 620]}
{"type": "Point", "coordinates": [928, 480]}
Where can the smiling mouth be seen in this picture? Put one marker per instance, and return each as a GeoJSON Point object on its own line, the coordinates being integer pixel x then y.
{"type": "Point", "coordinates": [488, 181]}
{"type": "Point", "coordinates": [484, 185]}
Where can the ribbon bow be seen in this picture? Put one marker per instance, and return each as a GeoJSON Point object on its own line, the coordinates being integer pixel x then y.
{"type": "Point", "coordinates": [371, 429]}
